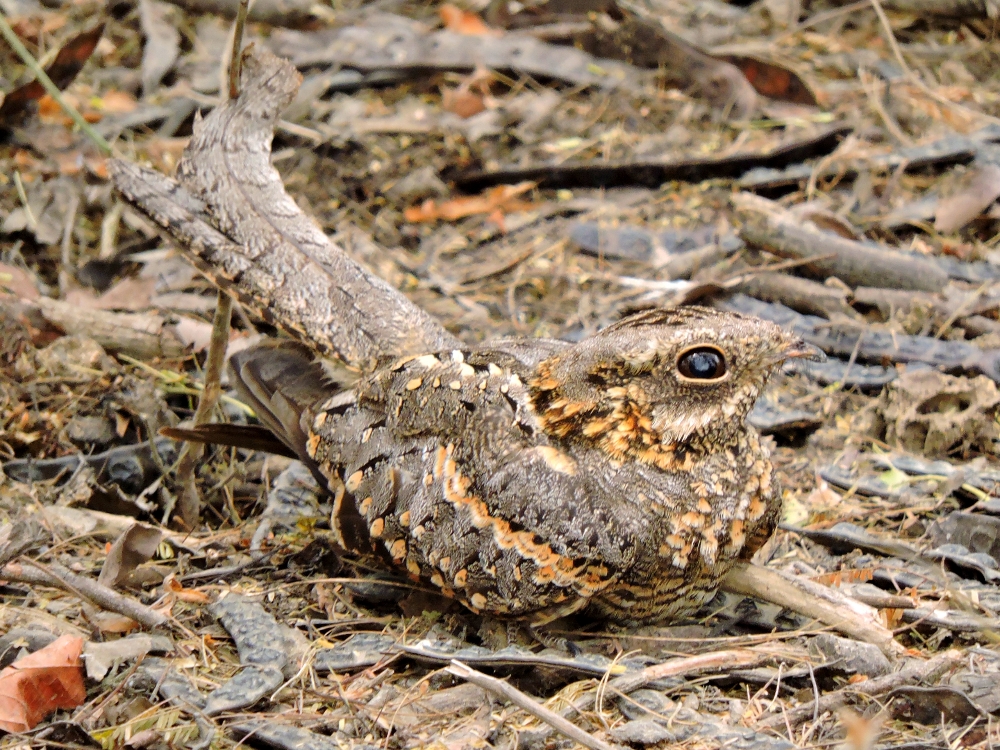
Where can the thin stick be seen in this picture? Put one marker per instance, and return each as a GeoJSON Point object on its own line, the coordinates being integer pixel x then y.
{"type": "Point", "coordinates": [871, 91]}
{"type": "Point", "coordinates": [50, 88]}
{"type": "Point", "coordinates": [526, 702]}
{"type": "Point", "coordinates": [740, 658]}
{"type": "Point", "coordinates": [60, 577]}
{"type": "Point", "coordinates": [236, 58]}
{"type": "Point", "coordinates": [67, 244]}
{"type": "Point", "coordinates": [216, 359]}
{"type": "Point", "coordinates": [190, 501]}
{"type": "Point", "coordinates": [916, 671]}
{"type": "Point", "coordinates": [29, 215]}
{"type": "Point", "coordinates": [960, 310]}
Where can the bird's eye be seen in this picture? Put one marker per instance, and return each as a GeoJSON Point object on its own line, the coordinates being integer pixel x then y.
{"type": "Point", "coordinates": [703, 363]}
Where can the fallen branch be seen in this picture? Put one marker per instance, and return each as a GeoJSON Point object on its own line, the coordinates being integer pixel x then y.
{"type": "Point", "coordinates": [915, 671]}
{"type": "Point", "coordinates": [868, 345]}
{"type": "Point", "coordinates": [766, 224]}
{"type": "Point", "coordinates": [60, 577]}
{"type": "Point", "coordinates": [813, 600]}
{"type": "Point", "coordinates": [734, 659]}
{"type": "Point", "coordinates": [629, 683]}
{"type": "Point", "coordinates": [526, 702]}
{"type": "Point", "coordinates": [144, 336]}
{"type": "Point", "coordinates": [391, 42]}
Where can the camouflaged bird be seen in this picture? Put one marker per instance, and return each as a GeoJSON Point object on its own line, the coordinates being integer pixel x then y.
{"type": "Point", "coordinates": [534, 478]}
{"type": "Point", "coordinates": [528, 479]}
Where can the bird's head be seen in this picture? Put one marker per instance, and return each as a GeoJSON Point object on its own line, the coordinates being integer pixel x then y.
{"type": "Point", "coordinates": [662, 378]}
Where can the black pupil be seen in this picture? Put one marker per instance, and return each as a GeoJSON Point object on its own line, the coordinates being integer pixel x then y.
{"type": "Point", "coordinates": [702, 364]}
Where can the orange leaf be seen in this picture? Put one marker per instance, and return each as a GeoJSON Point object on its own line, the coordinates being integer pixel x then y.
{"type": "Point", "coordinates": [192, 596]}
{"type": "Point", "coordinates": [500, 198]}
{"type": "Point", "coordinates": [45, 681]}
{"type": "Point", "coordinates": [25, 161]}
{"type": "Point", "coordinates": [69, 162]}
{"type": "Point", "coordinates": [892, 617]}
{"type": "Point", "coordinates": [49, 107]}
{"type": "Point", "coordinates": [18, 282]}
{"type": "Point", "coordinates": [465, 22]}
{"type": "Point", "coordinates": [462, 102]}
{"type": "Point", "coordinates": [97, 165]}
{"type": "Point", "coordinates": [68, 62]}
{"type": "Point", "coordinates": [497, 218]}
{"type": "Point", "coordinates": [839, 577]}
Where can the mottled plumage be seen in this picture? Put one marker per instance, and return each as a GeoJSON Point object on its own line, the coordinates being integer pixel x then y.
{"type": "Point", "coordinates": [533, 478]}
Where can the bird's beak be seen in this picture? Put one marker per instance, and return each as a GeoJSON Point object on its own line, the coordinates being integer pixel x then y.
{"type": "Point", "coordinates": [799, 349]}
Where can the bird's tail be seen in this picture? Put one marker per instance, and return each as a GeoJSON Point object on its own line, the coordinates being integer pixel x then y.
{"type": "Point", "coordinates": [280, 381]}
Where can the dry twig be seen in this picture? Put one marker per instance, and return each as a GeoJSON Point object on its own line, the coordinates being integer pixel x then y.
{"type": "Point", "coordinates": [58, 576]}
{"type": "Point", "coordinates": [527, 703]}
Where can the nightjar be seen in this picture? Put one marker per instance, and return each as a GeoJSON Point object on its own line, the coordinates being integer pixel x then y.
{"type": "Point", "coordinates": [533, 478]}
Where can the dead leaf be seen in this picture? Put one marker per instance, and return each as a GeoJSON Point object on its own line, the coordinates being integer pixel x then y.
{"type": "Point", "coordinates": [69, 162]}
{"type": "Point", "coordinates": [162, 48]}
{"type": "Point", "coordinates": [111, 622]}
{"type": "Point", "coordinates": [166, 152]}
{"type": "Point", "coordinates": [173, 588]}
{"type": "Point", "coordinates": [130, 550]}
{"type": "Point", "coordinates": [501, 198]}
{"type": "Point", "coordinates": [45, 681]}
{"type": "Point", "coordinates": [462, 102]}
{"type": "Point", "coordinates": [861, 732]}
{"type": "Point", "coordinates": [97, 165]}
{"type": "Point", "coordinates": [472, 95]}
{"type": "Point", "coordinates": [980, 188]}
{"type": "Point", "coordinates": [17, 281]}
{"type": "Point", "coordinates": [30, 28]}
{"type": "Point", "coordinates": [839, 577]}
{"type": "Point", "coordinates": [116, 102]}
{"type": "Point", "coordinates": [69, 61]}
{"type": "Point", "coordinates": [465, 22]}
{"type": "Point", "coordinates": [127, 294]}
{"type": "Point", "coordinates": [891, 617]}
{"type": "Point", "coordinates": [773, 80]}
{"type": "Point", "coordinates": [100, 657]}
{"type": "Point", "coordinates": [195, 333]}
{"type": "Point", "coordinates": [50, 112]}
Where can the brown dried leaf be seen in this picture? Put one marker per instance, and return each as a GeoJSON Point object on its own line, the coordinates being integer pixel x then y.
{"type": "Point", "coordinates": [194, 333]}
{"type": "Point", "coordinates": [773, 80]}
{"type": "Point", "coordinates": [162, 48]}
{"type": "Point", "coordinates": [16, 281]}
{"type": "Point", "coordinates": [135, 546]}
{"type": "Point", "coordinates": [172, 587]}
{"type": "Point", "coordinates": [111, 622]}
{"type": "Point", "coordinates": [462, 102]}
{"type": "Point", "coordinates": [840, 577]}
{"type": "Point", "coordinates": [45, 681]}
{"type": "Point", "coordinates": [116, 102]}
{"type": "Point", "coordinates": [69, 61]}
{"type": "Point", "coordinates": [127, 294]}
{"type": "Point", "coordinates": [980, 188]}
